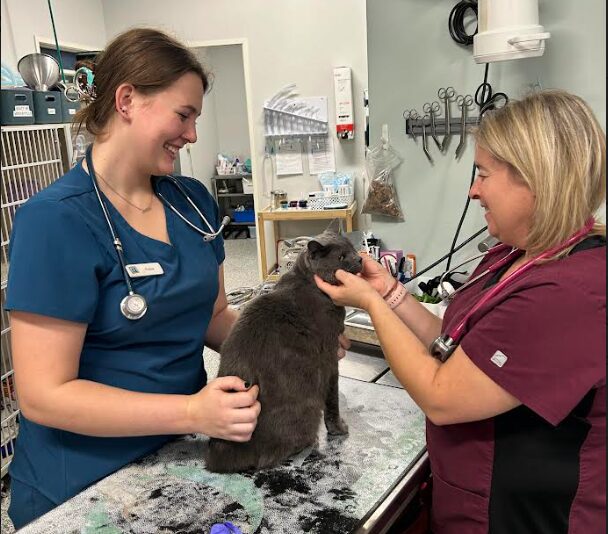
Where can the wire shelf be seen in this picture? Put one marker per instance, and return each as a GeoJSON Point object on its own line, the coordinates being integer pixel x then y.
{"type": "Point", "coordinates": [33, 157]}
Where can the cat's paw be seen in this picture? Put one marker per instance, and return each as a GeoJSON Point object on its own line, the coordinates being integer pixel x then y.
{"type": "Point", "coordinates": [337, 427]}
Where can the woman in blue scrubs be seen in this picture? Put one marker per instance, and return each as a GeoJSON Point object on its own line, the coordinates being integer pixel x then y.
{"type": "Point", "coordinates": [98, 390]}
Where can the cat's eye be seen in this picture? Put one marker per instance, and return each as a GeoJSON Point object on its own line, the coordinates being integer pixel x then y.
{"type": "Point", "coordinates": [342, 257]}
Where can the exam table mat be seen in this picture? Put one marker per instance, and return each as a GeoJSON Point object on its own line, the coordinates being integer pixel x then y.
{"type": "Point", "coordinates": [328, 488]}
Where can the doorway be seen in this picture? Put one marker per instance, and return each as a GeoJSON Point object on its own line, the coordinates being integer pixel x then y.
{"type": "Point", "coordinates": [225, 128]}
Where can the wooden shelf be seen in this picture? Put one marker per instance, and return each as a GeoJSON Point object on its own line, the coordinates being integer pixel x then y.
{"type": "Point", "coordinates": [296, 214]}
{"type": "Point", "coordinates": [302, 214]}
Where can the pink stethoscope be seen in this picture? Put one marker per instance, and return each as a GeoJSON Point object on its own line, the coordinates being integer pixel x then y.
{"type": "Point", "coordinates": [443, 347]}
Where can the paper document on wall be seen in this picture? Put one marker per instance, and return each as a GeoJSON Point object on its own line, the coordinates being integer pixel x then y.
{"type": "Point", "coordinates": [321, 155]}
{"type": "Point", "coordinates": [289, 157]}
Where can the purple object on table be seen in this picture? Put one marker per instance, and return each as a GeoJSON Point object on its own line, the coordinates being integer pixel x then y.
{"type": "Point", "coordinates": [225, 528]}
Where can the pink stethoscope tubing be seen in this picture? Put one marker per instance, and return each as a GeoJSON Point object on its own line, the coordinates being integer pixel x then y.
{"type": "Point", "coordinates": [443, 347]}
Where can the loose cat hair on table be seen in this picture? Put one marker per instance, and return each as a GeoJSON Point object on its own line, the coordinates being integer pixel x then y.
{"type": "Point", "coordinates": [286, 342]}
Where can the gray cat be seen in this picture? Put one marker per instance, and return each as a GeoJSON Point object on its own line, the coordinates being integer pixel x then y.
{"type": "Point", "coordinates": [286, 342]}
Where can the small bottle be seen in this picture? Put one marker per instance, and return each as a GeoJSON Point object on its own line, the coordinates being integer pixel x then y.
{"type": "Point", "coordinates": [411, 258]}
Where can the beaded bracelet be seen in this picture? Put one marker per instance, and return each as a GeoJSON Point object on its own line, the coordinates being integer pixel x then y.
{"type": "Point", "coordinates": [395, 295]}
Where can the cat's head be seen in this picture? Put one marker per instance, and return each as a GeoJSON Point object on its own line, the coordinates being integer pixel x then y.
{"type": "Point", "coordinates": [328, 252]}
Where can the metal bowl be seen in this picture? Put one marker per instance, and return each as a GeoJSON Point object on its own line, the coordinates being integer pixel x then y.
{"type": "Point", "coordinates": [39, 71]}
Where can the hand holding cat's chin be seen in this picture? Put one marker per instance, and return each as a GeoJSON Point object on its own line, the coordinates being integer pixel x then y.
{"type": "Point", "coordinates": [352, 290]}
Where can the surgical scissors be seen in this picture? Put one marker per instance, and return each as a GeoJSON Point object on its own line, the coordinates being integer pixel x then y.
{"type": "Point", "coordinates": [486, 100]}
{"type": "Point", "coordinates": [447, 95]}
{"type": "Point", "coordinates": [464, 102]}
{"type": "Point", "coordinates": [410, 114]}
{"type": "Point", "coordinates": [431, 109]}
{"type": "Point", "coordinates": [424, 142]}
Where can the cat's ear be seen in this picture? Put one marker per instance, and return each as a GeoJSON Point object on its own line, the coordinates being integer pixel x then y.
{"type": "Point", "coordinates": [315, 248]}
{"type": "Point", "coordinates": [335, 227]}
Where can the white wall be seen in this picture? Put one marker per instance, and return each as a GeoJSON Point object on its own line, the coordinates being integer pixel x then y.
{"type": "Point", "coordinates": [76, 22]}
{"type": "Point", "coordinates": [223, 126]}
{"type": "Point", "coordinates": [226, 65]}
{"type": "Point", "coordinates": [204, 152]}
{"type": "Point", "coordinates": [411, 55]}
{"type": "Point", "coordinates": [289, 41]}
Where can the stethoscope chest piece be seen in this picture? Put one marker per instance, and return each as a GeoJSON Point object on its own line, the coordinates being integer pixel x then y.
{"type": "Point", "coordinates": [442, 348]}
{"type": "Point", "coordinates": [133, 306]}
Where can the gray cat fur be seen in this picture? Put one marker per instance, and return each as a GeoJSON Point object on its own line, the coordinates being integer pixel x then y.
{"type": "Point", "coordinates": [286, 342]}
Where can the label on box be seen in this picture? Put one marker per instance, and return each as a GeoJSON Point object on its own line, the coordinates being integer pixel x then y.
{"type": "Point", "coordinates": [71, 111]}
{"type": "Point", "coordinates": [22, 111]}
{"type": "Point", "coordinates": [51, 111]}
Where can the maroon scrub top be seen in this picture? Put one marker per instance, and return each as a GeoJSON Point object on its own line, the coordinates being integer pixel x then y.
{"type": "Point", "coordinates": [540, 468]}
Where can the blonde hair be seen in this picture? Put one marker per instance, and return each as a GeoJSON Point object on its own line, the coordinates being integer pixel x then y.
{"type": "Point", "coordinates": [554, 143]}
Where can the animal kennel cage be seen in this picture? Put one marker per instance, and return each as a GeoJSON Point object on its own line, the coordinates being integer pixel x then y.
{"type": "Point", "coordinates": [32, 158]}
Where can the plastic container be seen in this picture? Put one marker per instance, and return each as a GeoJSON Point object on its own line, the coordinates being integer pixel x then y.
{"type": "Point", "coordinates": [17, 106]}
{"type": "Point", "coordinates": [253, 233]}
{"type": "Point", "coordinates": [244, 216]}
{"type": "Point", "coordinates": [68, 109]}
{"type": "Point", "coordinates": [247, 185]}
{"type": "Point", "coordinates": [47, 107]}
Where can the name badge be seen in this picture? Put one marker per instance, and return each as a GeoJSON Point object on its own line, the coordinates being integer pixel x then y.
{"type": "Point", "coordinates": [138, 270]}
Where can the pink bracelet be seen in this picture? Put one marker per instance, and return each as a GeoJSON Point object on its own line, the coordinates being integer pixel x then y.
{"type": "Point", "coordinates": [395, 296]}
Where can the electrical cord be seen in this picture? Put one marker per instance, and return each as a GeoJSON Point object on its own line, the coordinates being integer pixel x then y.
{"type": "Point", "coordinates": [486, 100]}
{"type": "Point", "coordinates": [240, 295]}
{"type": "Point", "coordinates": [456, 22]}
{"type": "Point", "coordinates": [460, 222]}
{"type": "Point", "coordinates": [456, 249]}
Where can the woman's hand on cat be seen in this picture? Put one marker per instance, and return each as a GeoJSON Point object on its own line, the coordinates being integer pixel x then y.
{"type": "Point", "coordinates": [353, 290]}
{"type": "Point", "coordinates": [226, 408]}
{"type": "Point", "coordinates": [378, 277]}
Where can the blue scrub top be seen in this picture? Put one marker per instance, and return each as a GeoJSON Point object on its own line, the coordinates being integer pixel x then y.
{"type": "Point", "coordinates": [63, 265]}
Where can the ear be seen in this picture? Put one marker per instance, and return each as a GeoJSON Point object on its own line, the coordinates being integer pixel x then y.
{"type": "Point", "coordinates": [315, 248]}
{"type": "Point", "coordinates": [123, 98]}
{"type": "Point", "coordinates": [335, 226]}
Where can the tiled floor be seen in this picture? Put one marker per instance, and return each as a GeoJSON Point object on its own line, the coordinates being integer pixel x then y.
{"type": "Point", "coordinates": [240, 270]}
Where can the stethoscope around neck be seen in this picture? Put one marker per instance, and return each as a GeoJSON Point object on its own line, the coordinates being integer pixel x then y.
{"type": "Point", "coordinates": [134, 306]}
{"type": "Point", "coordinates": [445, 345]}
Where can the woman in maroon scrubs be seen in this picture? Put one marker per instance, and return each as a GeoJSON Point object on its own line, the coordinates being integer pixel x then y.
{"type": "Point", "coordinates": [516, 416]}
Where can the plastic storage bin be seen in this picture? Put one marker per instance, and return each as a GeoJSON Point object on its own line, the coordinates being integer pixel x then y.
{"type": "Point", "coordinates": [17, 106]}
{"type": "Point", "coordinates": [47, 107]}
{"type": "Point", "coordinates": [244, 216]}
{"type": "Point", "coordinates": [68, 109]}
{"type": "Point", "coordinates": [247, 185]}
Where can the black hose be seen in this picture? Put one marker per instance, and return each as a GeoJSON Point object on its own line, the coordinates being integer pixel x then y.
{"type": "Point", "coordinates": [456, 22]}
{"type": "Point", "coordinates": [456, 249]}
{"type": "Point", "coordinates": [486, 100]}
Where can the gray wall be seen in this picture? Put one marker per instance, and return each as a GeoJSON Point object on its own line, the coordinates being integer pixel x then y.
{"type": "Point", "coordinates": [222, 126]}
{"type": "Point", "coordinates": [78, 23]}
{"type": "Point", "coordinates": [411, 55]}
{"type": "Point", "coordinates": [226, 64]}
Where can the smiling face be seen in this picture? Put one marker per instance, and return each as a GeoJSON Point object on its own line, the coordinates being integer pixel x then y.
{"type": "Point", "coordinates": [165, 121]}
{"type": "Point", "coordinates": [508, 202]}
